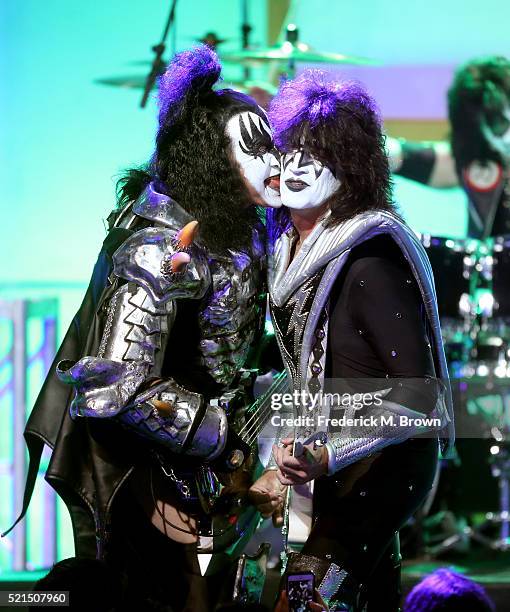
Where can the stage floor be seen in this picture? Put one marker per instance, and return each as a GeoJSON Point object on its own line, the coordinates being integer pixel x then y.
{"type": "Point", "coordinates": [492, 572]}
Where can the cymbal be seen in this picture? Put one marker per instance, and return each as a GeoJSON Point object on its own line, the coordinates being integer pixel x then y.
{"type": "Point", "coordinates": [137, 81]}
{"type": "Point", "coordinates": [299, 52]}
{"type": "Point", "coordinates": [211, 40]}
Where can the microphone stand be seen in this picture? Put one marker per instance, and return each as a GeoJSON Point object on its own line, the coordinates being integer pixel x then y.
{"type": "Point", "coordinates": [158, 65]}
{"type": "Point", "coordinates": [245, 34]}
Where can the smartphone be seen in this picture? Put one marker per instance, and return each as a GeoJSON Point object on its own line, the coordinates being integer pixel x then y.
{"type": "Point", "coordinates": [300, 590]}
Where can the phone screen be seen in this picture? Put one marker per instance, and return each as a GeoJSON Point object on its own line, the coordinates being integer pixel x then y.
{"type": "Point", "coordinates": [300, 589]}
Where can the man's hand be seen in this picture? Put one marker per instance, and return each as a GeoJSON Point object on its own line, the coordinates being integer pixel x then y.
{"type": "Point", "coordinates": [298, 470]}
{"type": "Point", "coordinates": [268, 495]}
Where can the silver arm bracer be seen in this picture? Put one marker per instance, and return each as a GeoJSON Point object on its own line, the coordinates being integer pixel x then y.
{"type": "Point", "coordinates": [393, 424]}
{"type": "Point", "coordinates": [174, 430]}
{"type": "Point", "coordinates": [130, 351]}
{"type": "Point", "coordinates": [139, 317]}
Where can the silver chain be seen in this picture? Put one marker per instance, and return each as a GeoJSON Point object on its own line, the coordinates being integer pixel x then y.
{"type": "Point", "coordinates": [108, 326]}
{"type": "Point", "coordinates": [181, 485]}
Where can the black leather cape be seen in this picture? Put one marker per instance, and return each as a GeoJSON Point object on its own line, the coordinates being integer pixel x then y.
{"type": "Point", "coordinates": [91, 458]}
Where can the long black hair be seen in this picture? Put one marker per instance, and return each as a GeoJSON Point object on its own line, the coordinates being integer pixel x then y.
{"type": "Point", "coordinates": [337, 123]}
{"type": "Point", "coordinates": [192, 161]}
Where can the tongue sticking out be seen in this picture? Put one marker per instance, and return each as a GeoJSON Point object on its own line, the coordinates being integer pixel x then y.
{"type": "Point", "coordinates": [273, 182]}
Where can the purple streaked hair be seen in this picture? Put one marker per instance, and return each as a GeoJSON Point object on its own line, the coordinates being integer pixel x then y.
{"type": "Point", "coordinates": [193, 71]}
{"type": "Point", "coordinates": [447, 591]}
{"type": "Point", "coordinates": [313, 101]}
{"type": "Point", "coordinates": [338, 123]}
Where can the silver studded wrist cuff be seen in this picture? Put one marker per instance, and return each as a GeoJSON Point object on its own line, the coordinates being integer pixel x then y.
{"type": "Point", "coordinates": [331, 458]}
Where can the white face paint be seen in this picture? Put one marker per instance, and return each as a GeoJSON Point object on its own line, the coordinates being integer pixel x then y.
{"type": "Point", "coordinates": [497, 133]}
{"type": "Point", "coordinates": [272, 195]}
{"type": "Point", "coordinates": [305, 182]}
{"type": "Point", "coordinates": [253, 149]}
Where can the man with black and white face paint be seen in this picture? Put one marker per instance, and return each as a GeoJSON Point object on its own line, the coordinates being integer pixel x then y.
{"type": "Point", "coordinates": [349, 289]}
{"type": "Point", "coordinates": [305, 182]}
{"type": "Point", "coordinates": [253, 149]}
{"type": "Point", "coordinates": [158, 348]}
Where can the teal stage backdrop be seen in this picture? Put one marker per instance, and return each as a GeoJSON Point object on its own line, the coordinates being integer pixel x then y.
{"type": "Point", "coordinates": [65, 139]}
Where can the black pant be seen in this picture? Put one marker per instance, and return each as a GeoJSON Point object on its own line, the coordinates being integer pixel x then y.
{"type": "Point", "coordinates": [161, 574]}
{"type": "Point", "coordinates": [357, 529]}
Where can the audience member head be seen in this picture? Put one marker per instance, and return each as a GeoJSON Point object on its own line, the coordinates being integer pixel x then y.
{"type": "Point", "coordinates": [447, 591]}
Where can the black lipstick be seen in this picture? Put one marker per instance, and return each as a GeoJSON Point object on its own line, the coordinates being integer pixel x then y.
{"type": "Point", "coordinates": [296, 185]}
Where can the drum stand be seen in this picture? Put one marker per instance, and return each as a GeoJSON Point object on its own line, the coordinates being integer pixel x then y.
{"type": "Point", "coordinates": [481, 350]}
{"type": "Point", "coordinates": [500, 468]}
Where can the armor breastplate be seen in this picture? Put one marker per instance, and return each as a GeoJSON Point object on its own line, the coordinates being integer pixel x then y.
{"type": "Point", "coordinates": [232, 308]}
{"type": "Point", "coordinates": [233, 311]}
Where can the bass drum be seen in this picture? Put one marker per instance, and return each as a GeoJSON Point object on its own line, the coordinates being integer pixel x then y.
{"type": "Point", "coordinates": [491, 330]}
{"type": "Point", "coordinates": [500, 321]}
{"type": "Point", "coordinates": [453, 263]}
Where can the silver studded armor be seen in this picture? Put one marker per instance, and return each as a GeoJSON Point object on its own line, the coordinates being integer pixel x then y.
{"type": "Point", "coordinates": [139, 317]}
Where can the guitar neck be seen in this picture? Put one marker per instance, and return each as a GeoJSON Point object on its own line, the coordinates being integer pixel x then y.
{"type": "Point", "coordinates": [258, 413]}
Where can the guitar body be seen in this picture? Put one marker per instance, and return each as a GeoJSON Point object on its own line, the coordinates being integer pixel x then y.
{"type": "Point", "coordinates": [233, 519]}
{"type": "Point", "coordinates": [207, 503]}
{"type": "Point", "coordinates": [300, 515]}
{"type": "Point", "coordinates": [196, 503]}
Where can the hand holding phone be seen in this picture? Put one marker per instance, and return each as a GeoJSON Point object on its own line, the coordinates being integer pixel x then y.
{"type": "Point", "coordinates": [318, 605]}
{"type": "Point", "coordinates": [300, 590]}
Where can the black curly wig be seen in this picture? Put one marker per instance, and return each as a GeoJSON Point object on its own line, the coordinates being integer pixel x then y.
{"type": "Point", "coordinates": [337, 123]}
{"type": "Point", "coordinates": [480, 92]}
{"type": "Point", "coordinates": [192, 162]}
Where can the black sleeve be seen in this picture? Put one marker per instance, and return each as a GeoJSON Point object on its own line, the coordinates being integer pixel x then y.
{"type": "Point", "coordinates": [386, 306]}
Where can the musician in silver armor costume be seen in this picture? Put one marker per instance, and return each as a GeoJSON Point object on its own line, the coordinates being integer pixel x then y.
{"type": "Point", "coordinates": [145, 378]}
{"type": "Point", "coordinates": [351, 297]}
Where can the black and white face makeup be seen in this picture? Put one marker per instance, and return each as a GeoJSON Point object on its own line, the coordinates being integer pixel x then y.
{"type": "Point", "coordinates": [305, 182]}
{"type": "Point", "coordinates": [253, 149]}
{"type": "Point", "coordinates": [497, 133]}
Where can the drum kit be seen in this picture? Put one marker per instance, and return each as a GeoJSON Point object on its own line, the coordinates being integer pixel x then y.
{"type": "Point", "coordinates": [471, 278]}
{"type": "Point", "coordinates": [474, 305]}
